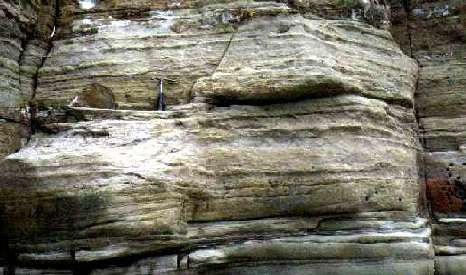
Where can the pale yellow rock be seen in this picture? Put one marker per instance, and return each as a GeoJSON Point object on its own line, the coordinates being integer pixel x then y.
{"type": "Point", "coordinates": [290, 138]}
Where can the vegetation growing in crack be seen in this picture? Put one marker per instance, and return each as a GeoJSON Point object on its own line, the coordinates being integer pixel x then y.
{"type": "Point", "coordinates": [244, 13]}
{"type": "Point", "coordinates": [374, 12]}
{"type": "Point", "coordinates": [87, 31]}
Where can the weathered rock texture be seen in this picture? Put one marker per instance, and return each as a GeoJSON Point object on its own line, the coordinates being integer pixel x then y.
{"type": "Point", "coordinates": [437, 35]}
{"type": "Point", "coordinates": [290, 145]}
{"type": "Point", "coordinates": [24, 31]}
{"type": "Point", "coordinates": [95, 96]}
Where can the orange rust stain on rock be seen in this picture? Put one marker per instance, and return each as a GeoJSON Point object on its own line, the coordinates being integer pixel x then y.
{"type": "Point", "coordinates": [442, 195]}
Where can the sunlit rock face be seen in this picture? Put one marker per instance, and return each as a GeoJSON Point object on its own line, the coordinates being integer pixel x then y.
{"type": "Point", "coordinates": [126, 49]}
{"type": "Point", "coordinates": [289, 145]}
{"type": "Point", "coordinates": [438, 39]}
{"type": "Point", "coordinates": [125, 46]}
{"type": "Point", "coordinates": [333, 176]}
{"type": "Point", "coordinates": [87, 4]}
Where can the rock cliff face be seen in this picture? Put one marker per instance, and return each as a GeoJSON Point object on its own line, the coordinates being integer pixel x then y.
{"type": "Point", "coordinates": [24, 34]}
{"type": "Point", "coordinates": [299, 139]}
{"type": "Point", "coordinates": [436, 39]}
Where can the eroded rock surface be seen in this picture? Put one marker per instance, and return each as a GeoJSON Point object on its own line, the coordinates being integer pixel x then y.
{"type": "Point", "coordinates": [24, 33]}
{"type": "Point", "coordinates": [438, 38]}
{"type": "Point", "coordinates": [223, 179]}
{"type": "Point", "coordinates": [95, 96]}
{"type": "Point", "coordinates": [290, 145]}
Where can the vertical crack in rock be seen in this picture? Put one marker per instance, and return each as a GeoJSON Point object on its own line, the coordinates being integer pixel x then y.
{"type": "Point", "coordinates": [48, 49]}
{"type": "Point", "coordinates": [24, 43]}
{"type": "Point", "coordinates": [224, 52]}
{"type": "Point", "coordinates": [424, 209]}
{"type": "Point", "coordinates": [435, 38]}
{"type": "Point", "coordinates": [35, 77]}
{"type": "Point", "coordinates": [16, 28]}
{"type": "Point", "coordinates": [407, 8]}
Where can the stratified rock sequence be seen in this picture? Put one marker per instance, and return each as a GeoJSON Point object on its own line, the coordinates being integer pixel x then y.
{"type": "Point", "coordinates": [299, 137]}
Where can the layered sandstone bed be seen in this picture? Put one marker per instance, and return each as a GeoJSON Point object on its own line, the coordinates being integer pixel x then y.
{"type": "Point", "coordinates": [290, 145]}
{"type": "Point", "coordinates": [25, 27]}
{"type": "Point", "coordinates": [437, 30]}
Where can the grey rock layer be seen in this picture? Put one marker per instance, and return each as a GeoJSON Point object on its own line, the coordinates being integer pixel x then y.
{"type": "Point", "coordinates": [289, 147]}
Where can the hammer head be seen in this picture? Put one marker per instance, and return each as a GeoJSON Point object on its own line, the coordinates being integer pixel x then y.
{"type": "Point", "coordinates": [167, 80]}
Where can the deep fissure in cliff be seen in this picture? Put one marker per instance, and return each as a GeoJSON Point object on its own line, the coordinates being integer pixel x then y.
{"type": "Point", "coordinates": [424, 209]}
{"type": "Point", "coordinates": [34, 124]}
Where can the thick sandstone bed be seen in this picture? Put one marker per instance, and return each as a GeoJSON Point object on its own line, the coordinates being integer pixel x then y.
{"type": "Point", "coordinates": [297, 141]}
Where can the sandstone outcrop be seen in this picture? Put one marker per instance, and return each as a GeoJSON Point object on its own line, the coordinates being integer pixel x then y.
{"type": "Point", "coordinates": [24, 31]}
{"type": "Point", "coordinates": [290, 144]}
{"type": "Point", "coordinates": [437, 41]}
{"type": "Point", "coordinates": [95, 96]}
